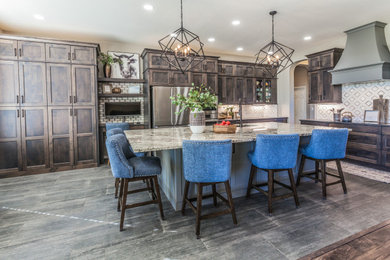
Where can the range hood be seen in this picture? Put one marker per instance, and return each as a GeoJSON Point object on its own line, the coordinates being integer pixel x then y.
{"type": "Point", "coordinates": [366, 56]}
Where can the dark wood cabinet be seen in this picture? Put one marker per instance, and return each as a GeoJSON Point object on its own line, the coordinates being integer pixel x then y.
{"type": "Point", "coordinates": [250, 86]}
{"type": "Point", "coordinates": [32, 83]}
{"type": "Point", "coordinates": [83, 55]}
{"type": "Point", "coordinates": [265, 91]}
{"type": "Point", "coordinates": [10, 141]}
{"type": "Point", "coordinates": [59, 84]}
{"type": "Point", "coordinates": [320, 79]}
{"type": "Point", "coordinates": [9, 83]}
{"type": "Point", "coordinates": [47, 105]}
{"type": "Point", "coordinates": [83, 84]}
{"type": "Point", "coordinates": [210, 65]}
{"type": "Point", "coordinates": [58, 53]}
{"type": "Point", "coordinates": [31, 51]}
{"type": "Point", "coordinates": [207, 79]}
{"type": "Point", "coordinates": [180, 79]}
{"type": "Point", "coordinates": [8, 49]}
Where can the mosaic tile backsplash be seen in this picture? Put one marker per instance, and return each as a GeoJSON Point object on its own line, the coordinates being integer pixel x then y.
{"type": "Point", "coordinates": [255, 111]}
{"type": "Point", "coordinates": [356, 98]}
{"type": "Point", "coordinates": [133, 119]}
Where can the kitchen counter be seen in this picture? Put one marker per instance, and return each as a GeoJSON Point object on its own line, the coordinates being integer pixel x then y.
{"type": "Point", "coordinates": [166, 143]}
{"type": "Point", "coordinates": [346, 123]}
{"type": "Point", "coordinates": [159, 139]}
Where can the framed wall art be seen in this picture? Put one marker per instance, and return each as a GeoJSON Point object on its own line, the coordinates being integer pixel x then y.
{"type": "Point", "coordinates": [128, 68]}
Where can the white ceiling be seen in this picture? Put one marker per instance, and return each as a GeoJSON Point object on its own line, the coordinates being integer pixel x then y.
{"type": "Point", "coordinates": [127, 21]}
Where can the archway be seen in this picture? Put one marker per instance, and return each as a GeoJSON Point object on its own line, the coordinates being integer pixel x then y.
{"type": "Point", "coordinates": [300, 93]}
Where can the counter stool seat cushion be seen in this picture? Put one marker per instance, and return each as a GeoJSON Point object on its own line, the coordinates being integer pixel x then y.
{"type": "Point", "coordinates": [123, 126]}
{"type": "Point", "coordinates": [145, 166]}
{"type": "Point", "coordinates": [326, 144]}
{"type": "Point", "coordinates": [275, 151]}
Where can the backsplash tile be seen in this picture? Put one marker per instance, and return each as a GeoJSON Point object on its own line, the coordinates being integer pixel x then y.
{"type": "Point", "coordinates": [254, 111]}
{"type": "Point", "coordinates": [356, 98]}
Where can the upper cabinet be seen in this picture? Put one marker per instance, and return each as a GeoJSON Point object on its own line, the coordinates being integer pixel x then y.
{"type": "Point", "coordinates": [83, 55]}
{"type": "Point", "coordinates": [320, 79]}
{"type": "Point", "coordinates": [8, 49]}
{"type": "Point", "coordinates": [9, 85]}
{"type": "Point", "coordinates": [31, 51]}
{"type": "Point", "coordinates": [58, 53]}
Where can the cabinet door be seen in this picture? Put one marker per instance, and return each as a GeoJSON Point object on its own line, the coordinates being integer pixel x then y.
{"type": "Point", "coordinates": [83, 55]}
{"type": "Point", "coordinates": [274, 91]}
{"type": "Point", "coordinates": [229, 88]}
{"type": "Point", "coordinates": [32, 78]}
{"type": "Point", "coordinates": [83, 84]}
{"type": "Point", "coordinates": [159, 77]}
{"type": "Point", "coordinates": [8, 49]}
{"type": "Point", "coordinates": [157, 62]}
{"type": "Point", "coordinates": [58, 53]}
{"type": "Point", "coordinates": [314, 83]}
{"type": "Point", "coordinates": [240, 70]}
{"type": "Point", "coordinates": [260, 72]}
{"type": "Point", "coordinates": [31, 51]}
{"type": "Point", "coordinates": [221, 90]}
{"type": "Point", "coordinates": [197, 79]}
{"type": "Point", "coordinates": [212, 82]}
{"type": "Point", "coordinates": [314, 63]}
{"type": "Point", "coordinates": [229, 69]}
{"type": "Point", "coordinates": [60, 136]}
{"type": "Point", "coordinates": [9, 85]}
{"type": "Point", "coordinates": [84, 135]}
{"type": "Point", "coordinates": [59, 84]}
{"type": "Point", "coordinates": [210, 66]}
{"type": "Point", "coordinates": [249, 91]}
{"type": "Point", "coordinates": [326, 60]}
{"type": "Point", "coordinates": [10, 146]}
{"type": "Point", "coordinates": [326, 87]}
{"type": "Point", "coordinates": [34, 138]}
{"type": "Point", "coordinates": [197, 65]}
{"type": "Point", "coordinates": [180, 79]}
{"type": "Point", "coordinates": [239, 90]}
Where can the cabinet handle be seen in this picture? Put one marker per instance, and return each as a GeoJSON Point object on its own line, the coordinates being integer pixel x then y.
{"type": "Point", "coordinates": [22, 99]}
{"type": "Point", "coordinates": [20, 52]}
{"type": "Point", "coordinates": [74, 99]}
{"type": "Point", "coordinates": [73, 55]}
{"type": "Point", "coordinates": [18, 113]}
{"type": "Point", "coordinates": [23, 113]}
{"type": "Point", "coordinates": [15, 52]}
{"type": "Point", "coordinates": [17, 99]}
{"type": "Point", "coordinates": [68, 55]}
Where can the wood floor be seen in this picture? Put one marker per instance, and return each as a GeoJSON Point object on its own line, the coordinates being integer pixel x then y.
{"type": "Point", "coordinates": [72, 215]}
{"type": "Point", "coordinates": [372, 243]}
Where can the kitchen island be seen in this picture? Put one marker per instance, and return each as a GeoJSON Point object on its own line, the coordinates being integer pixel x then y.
{"type": "Point", "coordinates": [167, 144]}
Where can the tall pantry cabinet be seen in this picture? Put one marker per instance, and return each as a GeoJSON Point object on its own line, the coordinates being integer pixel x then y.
{"type": "Point", "coordinates": [47, 105]}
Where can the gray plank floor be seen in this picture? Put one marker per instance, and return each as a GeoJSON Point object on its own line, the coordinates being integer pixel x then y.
{"type": "Point", "coordinates": [73, 214]}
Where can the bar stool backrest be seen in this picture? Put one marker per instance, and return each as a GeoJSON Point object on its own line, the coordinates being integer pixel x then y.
{"type": "Point", "coordinates": [276, 151]}
{"type": "Point", "coordinates": [119, 154]}
{"type": "Point", "coordinates": [327, 144]}
{"type": "Point", "coordinates": [114, 131]}
{"type": "Point", "coordinates": [123, 126]}
{"type": "Point", "coordinates": [207, 161]}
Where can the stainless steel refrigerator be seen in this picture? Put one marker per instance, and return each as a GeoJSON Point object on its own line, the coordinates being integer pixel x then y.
{"type": "Point", "coordinates": [163, 111]}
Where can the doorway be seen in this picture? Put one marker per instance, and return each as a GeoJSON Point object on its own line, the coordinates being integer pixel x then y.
{"type": "Point", "coordinates": [300, 93]}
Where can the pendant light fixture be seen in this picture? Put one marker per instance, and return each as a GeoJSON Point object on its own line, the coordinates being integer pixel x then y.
{"type": "Point", "coordinates": [275, 56]}
{"type": "Point", "coordinates": [182, 49]}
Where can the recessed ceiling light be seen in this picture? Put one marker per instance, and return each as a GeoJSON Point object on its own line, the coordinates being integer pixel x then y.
{"type": "Point", "coordinates": [39, 17]}
{"type": "Point", "coordinates": [148, 7]}
{"type": "Point", "coordinates": [240, 49]}
{"type": "Point", "coordinates": [236, 22]}
{"type": "Point", "coordinates": [211, 39]}
{"type": "Point", "coordinates": [307, 38]}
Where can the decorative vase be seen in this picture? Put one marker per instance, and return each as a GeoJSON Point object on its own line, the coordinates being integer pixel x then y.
{"type": "Point", "coordinates": [107, 70]}
{"type": "Point", "coordinates": [197, 121]}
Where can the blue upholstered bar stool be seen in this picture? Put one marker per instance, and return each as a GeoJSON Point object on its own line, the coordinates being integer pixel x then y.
{"type": "Point", "coordinates": [207, 163]}
{"type": "Point", "coordinates": [274, 153]}
{"type": "Point", "coordinates": [128, 167]}
{"type": "Point", "coordinates": [111, 132]}
{"type": "Point", "coordinates": [325, 145]}
{"type": "Point", "coordinates": [123, 126]}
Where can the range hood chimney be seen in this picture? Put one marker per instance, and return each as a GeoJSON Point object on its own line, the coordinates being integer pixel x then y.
{"type": "Point", "coordinates": [366, 56]}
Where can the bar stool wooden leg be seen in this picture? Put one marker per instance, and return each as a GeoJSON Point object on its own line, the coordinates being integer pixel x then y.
{"type": "Point", "coordinates": [198, 209]}
{"type": "Point", "coordinates": [117, 181]}
{"type": "Point", "coordinates": [230, 199]}
{"type": "Point", "coordinates": [124, 198]}
{"type": "Point", "coordinates": [159, 197]}
{"type": "Point", "coordinates": [300, 171]}
{"type": "Point", "coordinates": [270, 182]}
{"type": "Point", "coordinates": [214, 194]}
{"type": "Point", "coordinates": [340, 170]}
{"type": "Point", "coordinates": [120, 195]}
{"type": "Point", "coordinates": [292, 182]}
{"type": "Point", "coordinates": [323, 171]}
{"type": "Point", "coordinates": [185, 197]}
{"type": "Point", "coordinates": [317, 171]}
{"type": "Point", "coordinates": [252, 174]}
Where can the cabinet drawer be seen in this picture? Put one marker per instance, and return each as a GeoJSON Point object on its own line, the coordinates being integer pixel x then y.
{"type": "Point", "coordinates": [372, 141]}
{"type": "Point", "coordinates": [359, 154]}
{"type": "Point", "coordinates": [358, 128]}
{"type": "Point", "coordinates": [58, 53]}
{"type": "Point", "coordinates": [386, 142]}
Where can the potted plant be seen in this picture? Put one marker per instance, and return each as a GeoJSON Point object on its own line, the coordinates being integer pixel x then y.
{"type": "Point", "coordinates": [107, 61]}
{"type": "Point", "coordinates": [198, 99]}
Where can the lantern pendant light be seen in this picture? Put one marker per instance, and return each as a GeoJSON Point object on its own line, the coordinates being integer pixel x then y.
{"type": "Point", "coordinates": [182, 49]}
{"type": "Point", "coordinates": [274, 56]}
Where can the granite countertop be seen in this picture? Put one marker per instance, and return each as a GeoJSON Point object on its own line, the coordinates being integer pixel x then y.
{"type": "Point", "coordinates": [352, 123]}
{"type": "Point", "coordinates": [145, 140]}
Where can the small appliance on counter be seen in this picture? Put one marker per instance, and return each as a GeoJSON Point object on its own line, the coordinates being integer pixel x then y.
{"type": "Point", "coordinates": [211, 114]}
{"type": "Point", "coordinates": [347, 117]}
{"type": "Point", "coordinates": [336, 114]}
